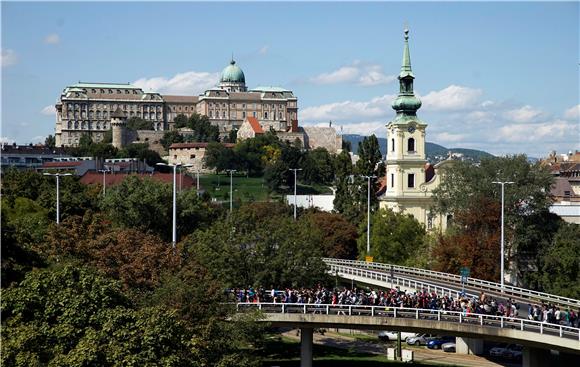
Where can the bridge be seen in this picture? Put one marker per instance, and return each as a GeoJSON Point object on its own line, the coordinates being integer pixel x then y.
{"type": "Point", "coordinates": [385, 275]}
{"type": "Point", "coordinates": [537, 337]}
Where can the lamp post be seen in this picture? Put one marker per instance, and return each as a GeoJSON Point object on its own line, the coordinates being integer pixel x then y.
{"type": "Point", "coordinates": [231, 171]}
{"type": "Point", "coordinates": [295, 173]}
{"type": "Point", "coordinates": [502, 183]}
{"type": "Point", "coordinates": [104, 171]}
{"type": "Point", "coordinates": [57, 175]}
{"type": "Point", "coordinates": [369, 213]}
{"type": "Point", "coordinates": [197, 181]}
{"type": "Point", "coordinates": [174, 232]}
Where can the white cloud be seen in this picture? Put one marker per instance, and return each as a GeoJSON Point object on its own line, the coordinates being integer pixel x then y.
{"type": "Point", "coordinates": [357, 73]}
{"type": "Point", "coordinates": [573, 112]}
{"type": "Point", "coordinates": [551, 131]}
{"type": "Point", "coordinates": [378, 107]}
{"type": "Point", "coordinates": [524, 114]}
{"type": "Point", "coordinates": [8, 57]}
{"type": "Point", "coordinates": [263, 50]}
{"type": "Point", "coordinates": [52, 39]}
{"type": "Point", "coordinates": [188, 83]}
{"type": "Point", "coordinates": [446, 137]}
{"type": "Point", "coordinates": [454, 97]}
{"type": "Point", "coordinates": [48, 110]}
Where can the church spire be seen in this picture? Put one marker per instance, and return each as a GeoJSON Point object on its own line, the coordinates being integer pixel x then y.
{"type": "Point", "coordinates": [406, 103]}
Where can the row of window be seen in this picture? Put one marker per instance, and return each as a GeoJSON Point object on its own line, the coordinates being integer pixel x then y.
{"type": "Point", "coordinates": [87, 125]}
{"type": "Point", "coordinates": [253, 105]}
{"type": "Point", "coordinates": [100, 106]}
{"type": "Point", "coordinates": [410, 180]}
{"type": "Point", "coordinates": [112, 91]}
{"type": "Point", "coordinates": [410, 145]}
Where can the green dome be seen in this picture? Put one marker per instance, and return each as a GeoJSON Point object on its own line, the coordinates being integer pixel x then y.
{"type": "Point", "coordinates": [232, 74]}
{"type": "Point", "coordinates": [406, 103]}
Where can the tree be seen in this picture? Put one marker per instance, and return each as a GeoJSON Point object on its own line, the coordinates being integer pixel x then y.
{"type": "Point", "coordinates": [219, 157]}
{"type": "Point", "coordinates": [394, 237]}
{"type": "Point", "coordinates": [338, 235]}
{"type": "Point", "coordinates": [137, 123]}
{"type": "Point", "coordinates": [369, 156]}
{"type": "Point", "coordinates": [180, 121]}
{"type": "Point", "coordinates": [50, 142]}
{"type": "Point", "coordinates": [232, 136]}
{"type": "Point", "coordinates": [561, 263]}
{"type": "Point", "coordinates": [171, 137]}
{"type": "Point", "coordinates": [344, 201]}
{"type": "Point", "coordinates": [141, 152]}
{"type": "Point", "coordinates": [203, 130]}
{"type": "Point", "coordinates": [318, 168]}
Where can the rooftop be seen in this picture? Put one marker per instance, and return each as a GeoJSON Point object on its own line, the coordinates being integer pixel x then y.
{"type": "Point", "coordinates": [104, 85]}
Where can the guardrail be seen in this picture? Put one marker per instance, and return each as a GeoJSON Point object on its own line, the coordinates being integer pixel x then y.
{"type": "Point", "coordinates": [401, 282]}
{"type": "Point", "coordinates": [483, 284]}
{"type": "Point", "coordinates": [493, 321]}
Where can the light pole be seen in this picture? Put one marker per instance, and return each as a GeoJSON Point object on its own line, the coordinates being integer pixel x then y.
{"type": "Point", "coordinates": [502, 183]}
{"type": "Point", "coordinates": [369, 213]}
{"type": "Point", "coordinates": [231, 171]}
{"type": "Point", "coordinates": [57, 175]}
{"type": "Point", "coordinates": [174, 232]}
{"type": "Point", "coordinates": [104, 171]}
{"type": "Point", "coordinates": [295, 173]}
{"type": "Point", "coordinates": [197, 181]}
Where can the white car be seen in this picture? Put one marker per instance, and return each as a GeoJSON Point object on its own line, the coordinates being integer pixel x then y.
{"type": "Point", "coordinates": [448, 347]}
{"type": "Point", "coordinates": [392, 336]}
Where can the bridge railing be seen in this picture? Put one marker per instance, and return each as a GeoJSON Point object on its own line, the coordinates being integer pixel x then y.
{"type": "Point", "coordinates": [508, 290]}
{"type": "Point", "coordinates": [493, 321]}
{"type": "Point", "coordinates": [401, 282]}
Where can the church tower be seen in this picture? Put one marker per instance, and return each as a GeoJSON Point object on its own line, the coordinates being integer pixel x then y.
{"type": "Point", "coordinates": [407, 188]}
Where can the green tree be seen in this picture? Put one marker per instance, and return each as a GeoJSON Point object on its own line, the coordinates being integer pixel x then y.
{"type": "Point", "coordinates": [203, 130]}
{"type": "Point", "coordinates": [232, 136]}
{"type": "Point", "coordinates": [171, 137]}
{"type": "Point", "coordinates": [561, 263]}
{"type": "Point", "coordinates": [180, 121]}
{"type": "Point", "coordinates": [137, 123]}
{"type": "Point", "coordinates": [141, 152]}
{"type": "Point", "coordinates": [394, 237]}
{"type": "Point", "coordinates": [338, 235]}
{"type": "Point", "coordinates": [219, 157]}
{"type": "Point", "coordinates": [318, 168]}
{"type": "Point", "coordinates": [50, 142]}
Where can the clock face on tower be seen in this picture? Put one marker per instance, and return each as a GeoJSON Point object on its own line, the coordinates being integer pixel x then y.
{"type": "Point", "coordinates": [411, 129]}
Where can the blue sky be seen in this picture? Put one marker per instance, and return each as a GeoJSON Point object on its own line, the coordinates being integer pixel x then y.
{"type": "Point", "coordinates": [501, 77]}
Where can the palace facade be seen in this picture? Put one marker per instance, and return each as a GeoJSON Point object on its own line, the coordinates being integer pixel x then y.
{"type": "Point", "coordinates": [86, 108]}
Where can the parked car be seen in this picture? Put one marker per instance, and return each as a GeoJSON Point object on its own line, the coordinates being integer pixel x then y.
{"type": "Point", "coordinates": [448, 347]}
{"type": "Point", "coordinates": [513, 352]}
{"type": "Point", "coordinates": [420, 339]}
{"type": "Point", "coordinates": [498, 351]}
{"type": "Point", "coordinates": [392, 335]}
{"type": "Point", "coordinates": [438, 342]}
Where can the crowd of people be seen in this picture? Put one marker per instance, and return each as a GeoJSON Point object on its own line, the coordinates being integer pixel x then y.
{"type": "Point", "coordinates": [484, 304]}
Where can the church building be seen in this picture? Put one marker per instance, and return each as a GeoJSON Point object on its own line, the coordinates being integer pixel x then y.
{"type": "Point", "coordinates": [410, 180]}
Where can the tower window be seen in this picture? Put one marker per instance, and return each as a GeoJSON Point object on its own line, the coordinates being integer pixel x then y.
{"type": "Point", "coordinates": [392, 145]}
{"type": "Point", "coordinates": [411, 145]}
{"type": "Point", "coordinates": [411, 180]}
{"type": "Point", "coordinates": [392, 180]}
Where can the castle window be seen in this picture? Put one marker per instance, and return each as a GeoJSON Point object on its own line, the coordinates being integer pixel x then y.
{"type": "Point", "coordinates": [102, 91]}
{"type": "Point", "coordinates": [266, 115]}
{"type": "Point", "coordinates": [254, 113]}
{"type": "Point", "coordinates": [192, 156]}
{"type": "Point", "coordinates": [411, 145]}
{"type": "Point", "coordinates": [244, 114]}
{"type": "Point", "coordinates": [411, 180]}
{"type": "Point", "coordinates": [392, 145]}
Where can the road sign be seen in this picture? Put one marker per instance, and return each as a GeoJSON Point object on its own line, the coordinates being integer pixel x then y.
{"type": "Point", "coordinates": [464, 271]}
{"type": "Point", "coordinates": [369, 259]}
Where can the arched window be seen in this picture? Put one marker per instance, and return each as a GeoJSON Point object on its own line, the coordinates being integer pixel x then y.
{"type": "Point", "coordinates": [76, 125]}
{"type": "Point", "coordinates": [411, 145]}
{"type": "Point", "coordinates": [392, 145]}
{"type": "Point", "coordinates": [69, 125]}
{"type": "Point", "coordinates": [266, 115]}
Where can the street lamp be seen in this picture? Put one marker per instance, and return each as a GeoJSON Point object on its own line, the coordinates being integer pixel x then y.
{"type": "Point", "coordinates": [369, 213]}
{"type": "Point", "coordinates": [231, 171]}
{"type": "Point", "coordinates": [502, 183]}
{"type": "Point", "coordinates": [174, 232]}
{"type": "Point", "coordinates": [197, 181]}
{"type": "Point", "coordinates": [295, 173]}
{"type": "Point", "coordinates": [104, 171]}
{"type": "Point", "coordinates": [57, 175]}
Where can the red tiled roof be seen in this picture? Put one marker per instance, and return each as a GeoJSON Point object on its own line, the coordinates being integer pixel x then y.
{"type": "Point", "coordinates": [255, 124]}
{"type": "Point", "coordinates": [92, 177]}
{"type": "Point", "coordinates": [429, 172]}
{"type": "Point", "coordinates": [382, 185]}
{"type": "Point", "coordinates": [61, 164]}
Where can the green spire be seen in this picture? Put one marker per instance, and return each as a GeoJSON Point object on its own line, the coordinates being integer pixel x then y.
{"type": "Point", "coordinates": [406, 66]}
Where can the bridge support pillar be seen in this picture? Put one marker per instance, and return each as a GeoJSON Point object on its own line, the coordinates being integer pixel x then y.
{"type": "Point", "coordinates": [536, 357]}
{"type": "Point", "coordinates": [468, 346]}
{"type": "Point", "coordinates": [306, 347]}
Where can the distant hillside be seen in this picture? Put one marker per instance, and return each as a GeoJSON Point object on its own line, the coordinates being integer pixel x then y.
{"type": "Point", "coordinates": [435, 152]}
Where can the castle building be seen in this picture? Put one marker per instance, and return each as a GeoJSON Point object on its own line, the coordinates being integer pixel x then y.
{"type": "Point", "coordinates": [410, 180]}
{"type": "Point", "coordinates": [86, 108]}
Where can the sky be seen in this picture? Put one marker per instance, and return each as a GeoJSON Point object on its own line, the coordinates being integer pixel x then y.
{"type": "Point", "coordinates": [500, 77]}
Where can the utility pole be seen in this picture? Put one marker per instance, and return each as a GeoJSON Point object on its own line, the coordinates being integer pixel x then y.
{"type": "Point", "coordinates": [295, 173]}
{"type": "Point", "coordinates": [104, 171]}
{"type": "Point", "coordinates": [58, 176]}
{"type": "Point", "coordinates": [231, 171]}
{"type": "Point", "coordinates": [174, 224]}
{"type": "Point", "coordinates": [369, 213]}
{"type": "Point", "coordinates": [502, 183]}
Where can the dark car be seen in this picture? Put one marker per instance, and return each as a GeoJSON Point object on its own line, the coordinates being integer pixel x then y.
{"type": "Point", "coordinates": [438, 342]}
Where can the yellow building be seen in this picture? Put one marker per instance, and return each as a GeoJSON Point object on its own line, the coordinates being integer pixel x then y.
{"type": "Point", "coordinates": [410, 180]}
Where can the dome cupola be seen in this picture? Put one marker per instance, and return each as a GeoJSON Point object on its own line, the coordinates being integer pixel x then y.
{"type": "Point", "coordinates": [232, 74]}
